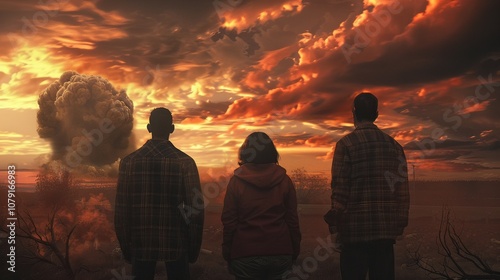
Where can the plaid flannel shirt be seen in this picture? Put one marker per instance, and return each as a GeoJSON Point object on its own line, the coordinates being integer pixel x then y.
{"type": "Point", "coordinates": [369, 186]}
{"type": "Point", "coordinates": [159, 205]}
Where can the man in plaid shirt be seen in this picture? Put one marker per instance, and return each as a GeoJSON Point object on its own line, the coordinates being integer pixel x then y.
{"type": "Point", "coordinates": [159, 207]}
{"type": "Point", "coordinates": [370, 196]}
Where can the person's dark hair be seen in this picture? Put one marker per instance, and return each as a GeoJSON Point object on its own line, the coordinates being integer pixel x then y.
{"type": "Point", "coordinates": [258, 148]}
{"type": "Point", "coordinates": [160, 121]}
{"type": "Point", "coordinates": [366, 107]}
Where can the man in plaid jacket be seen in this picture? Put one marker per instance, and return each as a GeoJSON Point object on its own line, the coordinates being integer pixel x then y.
{"type": "Point", "coordinates": [370, 196]}
{"type": "Point", "coordinates": [159, 209]}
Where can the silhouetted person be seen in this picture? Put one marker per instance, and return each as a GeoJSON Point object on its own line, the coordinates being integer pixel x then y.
{"type": "Point", "coordinates": [261, 235]}
{"type": "Point", "coordinates": [159, 207]}
{"type": "Point", "coordinates": [370, 196]}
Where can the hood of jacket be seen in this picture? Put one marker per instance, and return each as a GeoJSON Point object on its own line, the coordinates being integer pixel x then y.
{"type": "Point", "coordinates": [264, 176]}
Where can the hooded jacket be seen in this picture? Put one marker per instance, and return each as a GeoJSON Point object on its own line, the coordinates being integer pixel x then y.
{"type": "Point", "coordinates": [260, 213]}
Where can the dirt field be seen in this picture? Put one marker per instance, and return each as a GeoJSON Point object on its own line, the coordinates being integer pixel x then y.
{"type": "Point", "coordinates": [478, 226]}
{"type": "Point", "coordinates": [422, 230]}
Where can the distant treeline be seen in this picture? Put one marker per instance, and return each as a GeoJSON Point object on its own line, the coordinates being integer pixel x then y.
{"type": "Point", "coordinates": [457, 181]}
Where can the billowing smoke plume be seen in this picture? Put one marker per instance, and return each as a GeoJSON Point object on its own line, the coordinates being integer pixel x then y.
{"type": "Point", "coordinates": [87, 121]}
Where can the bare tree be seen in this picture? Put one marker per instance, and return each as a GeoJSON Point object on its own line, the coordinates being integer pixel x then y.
{"type": "Point", "coordinates": [458, 261]}
{"type": "Point", "coordinates": [55, 234]}
{"type": "Point", "coordinates": [52, 244]}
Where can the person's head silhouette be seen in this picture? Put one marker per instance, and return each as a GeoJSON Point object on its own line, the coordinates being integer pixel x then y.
{"type": "Point", "coordinates": [365, 108]}
{"type": "Point", "coordinates": [258, 148]}
{"type": "Point", "coordinates": [160, 123]}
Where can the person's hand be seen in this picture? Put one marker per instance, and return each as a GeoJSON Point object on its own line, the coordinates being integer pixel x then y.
{"type": "Point", "coordinates": [226, 252]}
{"type": "Point", "coordinates": [400, 234]}
{"type": "Point", "coordinates": [331, 217]}
{"type": "Point", "coordinates": [193, 254]}
{"type": "Point", "coordinates": [337, 245]}
{"type": "Point", "coordinates": [192, 257]}
{"type": "Point", "coordinates": [126, 253]}
{"type": "Point", "coordinates": [127, 258]}
{"type": "Point", "coordinates": [333, 229]}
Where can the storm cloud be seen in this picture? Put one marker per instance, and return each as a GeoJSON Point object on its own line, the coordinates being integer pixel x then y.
{"type": "Point", "coordinates": [287, 67]}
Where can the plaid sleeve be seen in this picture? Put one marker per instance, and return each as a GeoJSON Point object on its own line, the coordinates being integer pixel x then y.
{"type": "Point", "coordinates": [341, 172]}
{"type": "Point", "coordinates": [194, 202]}
{"type": "Point", "coordinates": [402, 192]}
{"type": "Point", "coordinates": [122, 212]}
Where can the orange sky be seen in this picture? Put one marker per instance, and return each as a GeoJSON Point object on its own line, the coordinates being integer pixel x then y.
{"type": "Point", "coordinates": [290, 68]}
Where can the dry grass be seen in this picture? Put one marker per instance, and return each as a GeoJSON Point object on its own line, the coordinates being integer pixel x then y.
{"type": "Point", "coordinates": [481, 227]}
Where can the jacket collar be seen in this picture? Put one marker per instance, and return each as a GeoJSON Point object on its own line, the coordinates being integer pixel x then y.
{"type": "Point", "coordinates": [159, 142]}
{"type": "Point", "coordinates": [366, 125]}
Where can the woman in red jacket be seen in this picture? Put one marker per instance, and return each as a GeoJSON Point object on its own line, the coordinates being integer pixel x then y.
{"type": "Point", "coordinates": [261, 236]}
